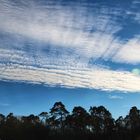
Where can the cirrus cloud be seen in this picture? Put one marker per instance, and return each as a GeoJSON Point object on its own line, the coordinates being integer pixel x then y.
{"type": "Point", "coordinates": [52, 43]}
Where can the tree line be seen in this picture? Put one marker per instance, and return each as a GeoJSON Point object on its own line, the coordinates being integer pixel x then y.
{"type": "Point", "coordinates": [97, 123]}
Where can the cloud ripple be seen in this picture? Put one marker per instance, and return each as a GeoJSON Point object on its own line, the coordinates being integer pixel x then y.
{"type": "Point", "coordinates": [52, 42]}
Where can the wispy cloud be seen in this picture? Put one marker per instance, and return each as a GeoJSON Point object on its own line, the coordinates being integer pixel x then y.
{"type": "Point", "coordinates": [4, 104]}
{"type": "Point", "coordinates": [61, 26]}
{"type": "Point", "coordinates": [97, 78]}
{"type": "Point", "coordinates": [129, 53]}
{"type": "Point", "coordinates": [52, 43]}
{"type": "Point", "coordinates": [115, 97]}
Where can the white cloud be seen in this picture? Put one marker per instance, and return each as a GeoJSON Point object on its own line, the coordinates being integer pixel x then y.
{"type": "Point", "coordinates": [115, 97]}
{"type": "Point", "coordinates": [4, 104]}
{"type": "Point", "coordinates": [69, 28]}
{"type": "Point", "coordinates": [88, 36]}
{"type": "Point", "coordinates": [63, 26]}
{"type": "Point", "coordinates": [129, 52]}
{"type": "Point", "coordinates": [97, 78]}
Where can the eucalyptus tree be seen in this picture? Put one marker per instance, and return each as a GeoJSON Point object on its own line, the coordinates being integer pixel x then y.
{"type": "Point", "coordinates": [80, 118]}
{"type": "Point", "coordinates": [58, 114]}
{"type": "Point", "coordinates": [101, 119]}
{"type": "Point", "coordinates": [44, 117]}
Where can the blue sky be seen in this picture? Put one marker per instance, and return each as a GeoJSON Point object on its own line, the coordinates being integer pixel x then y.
{"type": "Point", "coordinates": [83, 52]}
{"type": "Point", "coordinates": [24, 99]}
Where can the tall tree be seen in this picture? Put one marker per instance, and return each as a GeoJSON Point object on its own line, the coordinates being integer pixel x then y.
{"type": "Point", "coordinates": [31, 119]}
{"type": "Point", "coordinates": [2, 119]}
{"type": "Point", "coordinates": [44, 117]}
{"type": "Point", "coordinates": [95, 120]}
{"type": "Point", "coordinates": [133, 119]}
{"type": "Point", "coordinates": [11, 120]}
{"type": "Point", "coordinates": [80, 118]}
{"type": "Point", "coordinates": [101, 118]}
{"type": "Point", "coordinates": [59, 113]}
{"type": "Point", "coordinates": [120, 124]}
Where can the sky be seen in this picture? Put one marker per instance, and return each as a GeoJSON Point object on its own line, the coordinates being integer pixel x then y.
{"type": "Point", "coordinates": [83, 52]}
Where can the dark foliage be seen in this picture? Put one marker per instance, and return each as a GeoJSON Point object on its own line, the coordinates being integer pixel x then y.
{"type": "Point", "coordinates": [95, 124]}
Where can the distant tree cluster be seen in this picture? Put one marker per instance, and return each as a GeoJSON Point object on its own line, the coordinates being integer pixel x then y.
{"type": "Point", "coordinates": [95, 124]}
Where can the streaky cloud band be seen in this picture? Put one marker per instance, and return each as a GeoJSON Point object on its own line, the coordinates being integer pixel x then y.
{"type": "Point", "coordinates": [91, 35]}
{"type": "Point", "coordinates": [97, 78]}
{"type": "Point", "coordinates": [69, 35]}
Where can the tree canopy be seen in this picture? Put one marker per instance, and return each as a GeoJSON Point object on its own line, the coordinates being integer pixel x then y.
{"type": "Point", "coordinates": [97, 123]}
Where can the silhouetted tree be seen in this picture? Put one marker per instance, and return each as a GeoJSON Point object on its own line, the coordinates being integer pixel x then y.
{"type": "Point", "coordinates": [95, 120]}
{"type": "Point", "coordinates": [11, 120]}
{"type": "Point", "coordinates": [58, 114]}
{"type": "Point", "coordinates": [2, 119]}
{"type": "Point", "coordinates": [79, 118]}
{"type": "Point", "coordinates": [44, 117]}
{"type": "Point", "coordinates": [120, 124]}
{"type": "Point", "coordinates": [96, 124]}
{"type": "Point", "coordinates": [12, 126]}
{"type": "Point", "coordinates": [133, 119]}
{"type": "Point", "coordinates": [101, 119]}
